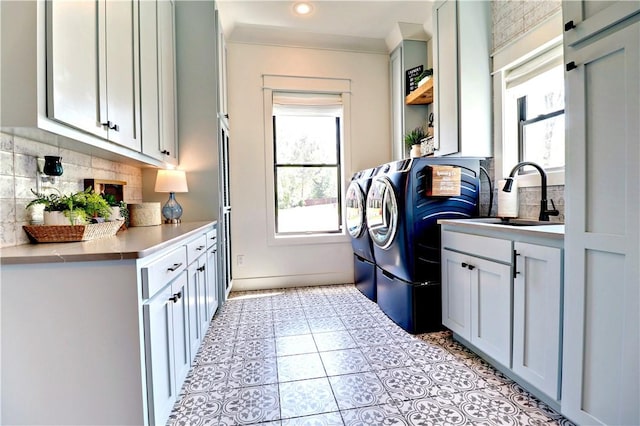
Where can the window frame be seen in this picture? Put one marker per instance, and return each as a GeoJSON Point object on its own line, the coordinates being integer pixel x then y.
{"type": "Point", "coordinates": [337, 165]}
{"type": "Point", "coordinates": [286, 83]}
{"type": "Point", "coordinates": [529, 46]}
{"type": "Point", "coordinates": [521, 105]}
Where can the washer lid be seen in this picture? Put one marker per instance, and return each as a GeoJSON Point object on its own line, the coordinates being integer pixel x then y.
{"type": "Point", "coordinates": [382, 212]}
{"type": "Point", "coordinates": [355, 210]}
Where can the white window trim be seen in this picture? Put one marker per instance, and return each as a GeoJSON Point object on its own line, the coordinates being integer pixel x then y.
{"type": "Point", "coordinates": [531, 44]}
{"type": "Point", "coordinates": [280, 83]}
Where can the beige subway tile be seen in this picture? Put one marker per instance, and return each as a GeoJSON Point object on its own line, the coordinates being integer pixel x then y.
{"type": "Point", "coordinates": [6, 163]}
{"type": "Point", "coordinates": [102, 164]}
{"type": "Point", "coordinates": [21, 235]}
{"type": "Point", "coordinates": [7, 210]}
{"type": "Point", "coordinates": [6, 142]}
{"type": "Point", "coordinates": [76, 158]}
{"type": "Point", "coordinates": [25, 165]}
{"type": "Point", "coordinates": [8, 234]}
{"type": "Point", "coordinates": [7, 187]}
{"type": "Point", "coordinates": [29, 147]}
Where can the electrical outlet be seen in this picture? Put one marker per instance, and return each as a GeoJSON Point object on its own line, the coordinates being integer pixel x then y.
{"type": "Point", "coordinates": [240, 259]}
{"type": "Point", "coordinates": [40, 164]}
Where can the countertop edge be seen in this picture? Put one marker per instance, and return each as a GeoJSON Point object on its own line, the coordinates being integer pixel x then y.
{"type": "Point", "coordinates": [127, 245]}
{"type": "Point", "coordinates": [486, 225]}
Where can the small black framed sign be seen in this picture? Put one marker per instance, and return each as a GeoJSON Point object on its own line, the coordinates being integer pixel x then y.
{"type": "Point", "coordinates": [411, 83]}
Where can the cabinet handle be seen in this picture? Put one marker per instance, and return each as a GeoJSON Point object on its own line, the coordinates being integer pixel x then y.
{"type": "Point", "coordinates": [165, 152]}
{"type": "Point", "coordinates": [111, 125]}
{"type": "Point", "coordinates": [569, 26]}
{"type": "Point", "coordinates": [201, 269]}
{"type": "Point", "coordinates": [469, 267]}
{"type": "Point", "coordinates": [176, 297]}
{"type": "Point", "coordinates": [199, 248]}
{"type": "Point", "coordinates": [571, 66]}
{"type": "Point", "coordinates": [174, 267]}
{"type": "Point", "coordinates": [515, 264]}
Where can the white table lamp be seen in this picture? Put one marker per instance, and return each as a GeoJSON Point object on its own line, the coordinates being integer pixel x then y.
{"type": "Point", "coordinates": [171, 181]}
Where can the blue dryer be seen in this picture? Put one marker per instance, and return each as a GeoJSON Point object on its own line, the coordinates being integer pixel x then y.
{"type": "Point", "coordinates": [402, 220]}
{"type": "Point", "coordinates": [364, 264]}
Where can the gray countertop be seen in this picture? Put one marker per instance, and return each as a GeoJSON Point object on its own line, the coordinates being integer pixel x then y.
{"type": "Point", "coordinates": [133, 243]}
{"type": "Point", "coordinates": [494, 225]}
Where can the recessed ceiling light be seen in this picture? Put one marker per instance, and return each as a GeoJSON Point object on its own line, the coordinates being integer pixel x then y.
{"type": "Point", "coordinates": [302, 8]}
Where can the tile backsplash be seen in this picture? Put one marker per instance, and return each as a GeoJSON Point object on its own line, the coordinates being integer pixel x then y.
{"type": "Point", "coordinates": [18, 176]}
{"type": "Point", "coordinates": [528, 197]}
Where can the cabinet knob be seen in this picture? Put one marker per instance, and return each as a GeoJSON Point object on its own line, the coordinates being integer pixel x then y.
{"type": "Point", "coordinates": [165, 152]}
{"type": "Point", "coordinates": [569, 26]}
{"type": "Point", "coordinates": [176, 297]}
{"type": "Point", "coordinates": [174, 267]}
{"type": "Point", "coordinates": [571, 66]}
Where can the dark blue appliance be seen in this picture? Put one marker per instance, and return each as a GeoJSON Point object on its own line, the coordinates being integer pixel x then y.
{"type": "Point", "coordinates": [402, 222]}
{"type": "Point", "coordinates": [364, 264]}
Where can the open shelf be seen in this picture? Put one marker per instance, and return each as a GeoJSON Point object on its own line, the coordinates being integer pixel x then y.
{"type": "Point", "coordinates": [422, 95]}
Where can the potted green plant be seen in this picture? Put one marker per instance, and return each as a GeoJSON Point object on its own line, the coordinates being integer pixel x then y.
{"type": "Point", "coordinates": [119, 209]}
{"type": "Point", "coordinates": [413, 138]}
{"type": "Point", "coordinates": [73, 209]}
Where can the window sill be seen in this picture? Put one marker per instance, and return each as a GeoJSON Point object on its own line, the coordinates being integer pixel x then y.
{"type": "Point", "coordinates": [529, 180]}
{"type": "Point", "coordinates": [294, 240]}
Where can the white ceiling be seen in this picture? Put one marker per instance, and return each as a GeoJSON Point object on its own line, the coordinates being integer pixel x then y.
{"type": "Point", "coordinates": [349, 25]}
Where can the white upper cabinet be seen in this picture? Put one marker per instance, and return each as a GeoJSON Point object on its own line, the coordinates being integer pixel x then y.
{"type": "Point", "coordinates": [583, 19]}
{"type": "Point", "coordinates": [71, 68]}
{"type": "Point", "coordinates": [92, 51]}
{"type": "Point", "coordinates": [157, 80]}
{"type": "Point", "coordinates": [462, 79]}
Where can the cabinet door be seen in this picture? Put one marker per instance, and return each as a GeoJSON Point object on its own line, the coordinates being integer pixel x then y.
{"type": "Point", "coordinates": [536, 316]}
{"type": "Point", "coordinates": [167, 84]}
{"type": "Point", "coordinates": [122, 91]}
{"type": "Point", "coordinates": [195, 334]}
{"type": "Point", "coordinates": [149, 80]}
{"type": "Point", "coordinates": [203, 319]}
{"type": "Point", "coordinates": [181, 346]}
{"type": "Point", "coordinates": [212, 282]}
{"type": "Point", "coordinates": [445, 85]}
{"type": "Point", "coordinates": [159, 338]}
{"type": "Point", "coordinates": [72, 58]}
{"type": "Point", "coordinates": [585, 18]}
{"type": "Point", "coordinates": [456, 293]}
{"type": "Point", "coordinates": [491, 308]}
{"type": "Point", "coordinates": [600, 366]}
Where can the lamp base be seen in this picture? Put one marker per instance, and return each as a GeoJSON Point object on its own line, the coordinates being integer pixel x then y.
{"type": "Point", "coordinates": [173, 221]}
{"type": "Point", "coordinates": [172, 211]}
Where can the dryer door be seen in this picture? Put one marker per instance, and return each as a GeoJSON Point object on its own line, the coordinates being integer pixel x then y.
{"type": "Point", "coordinates": [382, 212]}
{"type": "Point", "coordinates": [355, 210]}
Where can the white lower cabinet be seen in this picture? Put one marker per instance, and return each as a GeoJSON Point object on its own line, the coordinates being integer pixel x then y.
{"type": "Point", "coordinates": [176, 319]}
{"type": "Point", "coordinates": [476, 296]}
{"type": "Point", "coordinates": [507, 310]}
{"type": "Point", "coordinates": [536, 316]}
{"type": "Point", "coordinates": [166, 348]}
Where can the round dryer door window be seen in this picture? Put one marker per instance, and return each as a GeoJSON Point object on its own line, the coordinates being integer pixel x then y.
{"type": "Point", "coordinates": [382, 212]}
{"type": "Point", "coordinates": [355, 210]}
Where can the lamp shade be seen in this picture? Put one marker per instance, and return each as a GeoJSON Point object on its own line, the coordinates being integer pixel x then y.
{"type": "Point", "coordinates": [171, 181]}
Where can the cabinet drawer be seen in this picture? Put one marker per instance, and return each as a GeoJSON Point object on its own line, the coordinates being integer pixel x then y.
{"type": "Point", "coordinates": [212, 237]}
{"type": "Point", "coordinates": [196, 247]}
{"type": "Point", "coordinates": [157, 274]}
{"type": "Point", "coordinates": [487, 247]}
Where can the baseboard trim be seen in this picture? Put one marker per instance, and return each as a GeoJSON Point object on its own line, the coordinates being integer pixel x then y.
{"type": "Point", "coordinates": [289, 281]}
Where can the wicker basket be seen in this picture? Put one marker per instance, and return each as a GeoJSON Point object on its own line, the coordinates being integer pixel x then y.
{"type": "Point", "coordinates": [71, 233]}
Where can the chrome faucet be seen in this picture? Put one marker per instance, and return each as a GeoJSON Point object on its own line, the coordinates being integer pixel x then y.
{"type": "Point", "coordinates": [544, 208]}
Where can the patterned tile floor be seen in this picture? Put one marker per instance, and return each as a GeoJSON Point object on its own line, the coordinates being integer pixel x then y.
{"type": "Point", "coordinates": [329, 356]}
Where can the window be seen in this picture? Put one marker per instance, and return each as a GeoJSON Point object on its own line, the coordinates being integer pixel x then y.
{"type": "Point", "coordinates": [307, 163]}
{"type": "Point", "coordinates": [534, 111]}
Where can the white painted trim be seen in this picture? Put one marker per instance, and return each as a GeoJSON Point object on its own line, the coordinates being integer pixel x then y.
{"type": "Point", "coordinates": [315, 85]}
{"type": "Point", "coordinates": [530, 44]}
{"type": "Point", "coordinates": [289, 281]}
